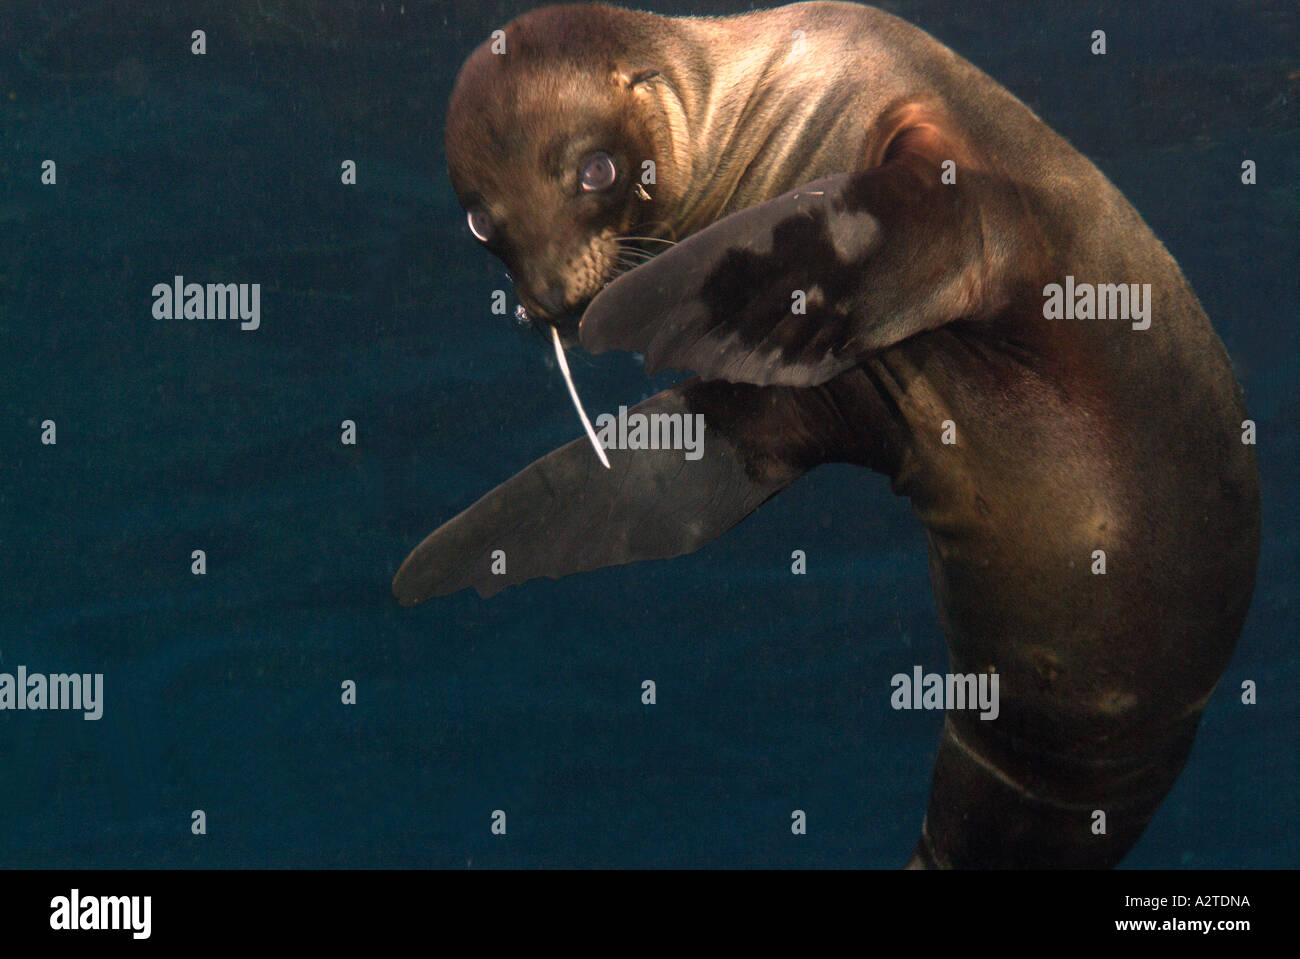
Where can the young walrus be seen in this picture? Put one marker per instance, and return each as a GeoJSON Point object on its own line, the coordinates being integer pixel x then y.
{"type": "Point", "coordinates": [885, 259]}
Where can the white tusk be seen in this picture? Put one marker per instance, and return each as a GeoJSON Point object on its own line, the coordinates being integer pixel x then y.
{"type": "Point", "coordinates": [577, 403]}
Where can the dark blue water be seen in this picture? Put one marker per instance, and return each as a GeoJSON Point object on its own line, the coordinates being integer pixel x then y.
{"type": "Point", "coordinates": [222, 692]}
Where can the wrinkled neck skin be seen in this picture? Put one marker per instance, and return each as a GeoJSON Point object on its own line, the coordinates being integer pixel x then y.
{"type": "Point", "coordinates": [749, 109]}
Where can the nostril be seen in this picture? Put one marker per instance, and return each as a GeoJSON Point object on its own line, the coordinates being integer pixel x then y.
{"type": "Point", "coordinates": [552, 300]}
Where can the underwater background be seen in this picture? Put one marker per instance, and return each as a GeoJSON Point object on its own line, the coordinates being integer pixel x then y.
{"type": "Point", "coordinates": [222, 691]}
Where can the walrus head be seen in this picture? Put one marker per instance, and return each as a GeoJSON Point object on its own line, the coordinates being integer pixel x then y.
{"type": "Point", "coordinates": [548, 131]}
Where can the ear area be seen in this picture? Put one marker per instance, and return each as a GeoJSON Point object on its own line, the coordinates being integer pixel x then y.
{"type": "Point", "coordinates": [629, 77]}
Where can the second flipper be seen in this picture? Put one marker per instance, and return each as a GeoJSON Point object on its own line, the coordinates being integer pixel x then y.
{"type": "Point", "coordinates": [566, 513]}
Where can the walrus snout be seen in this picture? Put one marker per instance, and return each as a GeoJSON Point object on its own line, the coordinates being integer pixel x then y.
{"type": "Point", "coordinates": [543, 309]}
{"type": "Point", "coordinates": [551, 300]}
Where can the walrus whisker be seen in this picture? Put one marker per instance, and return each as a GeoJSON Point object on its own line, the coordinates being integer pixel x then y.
{"type": "Point", "coordinates": [649, 239]}
{"type": "Point", "coordinates": [636, 250]}
{"type": "Point", "coordinates": [631, 263]}
{"type": "Point", "coordinates": [654, 224]}
{"type": "Point", "coordinates": [573, 392]}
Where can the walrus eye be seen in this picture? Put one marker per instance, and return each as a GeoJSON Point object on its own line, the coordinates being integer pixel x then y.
{"type": "Point", "coordinates": [480, 224]}
{"type": "Point", "coordinates": [598, 172]}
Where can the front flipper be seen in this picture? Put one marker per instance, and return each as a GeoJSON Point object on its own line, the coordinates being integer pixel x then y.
{"type": "Point", "coordinates": [566, 513]}
{"type": "Point", "coordinates": [798, 289]}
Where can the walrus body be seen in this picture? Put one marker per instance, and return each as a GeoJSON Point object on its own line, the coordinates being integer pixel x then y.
{"type": "Point", "coordinates": [804, 151]}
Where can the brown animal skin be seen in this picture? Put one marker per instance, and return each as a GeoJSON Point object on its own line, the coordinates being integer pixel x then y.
{"type": "Point", "coordinates": [805, 149]}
